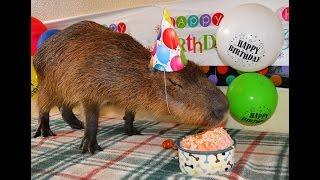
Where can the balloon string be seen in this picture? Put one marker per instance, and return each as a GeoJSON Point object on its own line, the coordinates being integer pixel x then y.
{"type": "Point", "coordinates": [165, 90]}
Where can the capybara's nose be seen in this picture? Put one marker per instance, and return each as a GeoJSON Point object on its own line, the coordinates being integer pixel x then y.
{"type": "Point", "coordinates": [220, 110]}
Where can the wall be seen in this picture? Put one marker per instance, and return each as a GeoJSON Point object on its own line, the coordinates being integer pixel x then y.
{"type": "Point", "coordinates": [47, 10]}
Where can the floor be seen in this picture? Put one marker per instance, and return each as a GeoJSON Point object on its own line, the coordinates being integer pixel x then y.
{"type": "Point", "coordinates": [259, 154]}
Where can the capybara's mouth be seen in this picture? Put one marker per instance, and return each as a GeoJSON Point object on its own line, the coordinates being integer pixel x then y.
{"type": "Point", "coordinates": [223, 122]}
{"type": "Point", "coordinates": [209, 124]}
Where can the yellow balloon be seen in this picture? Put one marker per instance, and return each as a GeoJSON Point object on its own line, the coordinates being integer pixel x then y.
{"type": "Point", "coordinates": [167, 16]}
{"type": "Point", "coordinates": [34, 79]}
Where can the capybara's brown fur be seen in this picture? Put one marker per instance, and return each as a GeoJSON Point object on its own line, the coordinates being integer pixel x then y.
{"type": "Point", "coordinates": [91, 65]}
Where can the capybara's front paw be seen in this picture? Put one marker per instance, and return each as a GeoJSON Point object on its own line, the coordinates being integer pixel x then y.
{"type": "Point", "coordinates": [132, 131]}
{"type": "Point", "coordinates": [77, 125]}
{"type": "Point", "coordinates": [44, 132]}
{"type": "Point", "coordinates": [89, 145]}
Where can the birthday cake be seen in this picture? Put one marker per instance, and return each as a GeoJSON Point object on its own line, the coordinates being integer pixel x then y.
{"type": "Point", "coordinates": [211, 140]}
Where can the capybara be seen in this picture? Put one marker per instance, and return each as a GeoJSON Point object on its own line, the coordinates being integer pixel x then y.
{"type": "Point", "coordinates": [90, 65]}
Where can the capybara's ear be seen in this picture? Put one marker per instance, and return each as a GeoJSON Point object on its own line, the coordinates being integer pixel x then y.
{"type": "Point", "coordinates": [151, 68]}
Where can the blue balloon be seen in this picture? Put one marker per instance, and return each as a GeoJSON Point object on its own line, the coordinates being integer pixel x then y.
{"type": "Point", "coordinates": [163, 54]}
{"type": "Point", "coordinates": [159, 67]}
{"type": "Point", "coordinates": [44, 36]}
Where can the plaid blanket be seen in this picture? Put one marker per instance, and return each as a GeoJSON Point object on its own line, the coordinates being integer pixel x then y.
{"type": "Point", "coordinates": [259, 155]}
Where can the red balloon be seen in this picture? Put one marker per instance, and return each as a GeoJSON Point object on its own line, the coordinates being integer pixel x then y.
{"type": "Point", "coordinates": [170, 38]}
{"type": "Point", "coordinates": [37, 28]}
{"type": "Point", "coordinates": [222, 69]}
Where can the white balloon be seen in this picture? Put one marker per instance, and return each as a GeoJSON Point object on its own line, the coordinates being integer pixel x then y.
{"type": "Point", "coordinates": [250, 37]}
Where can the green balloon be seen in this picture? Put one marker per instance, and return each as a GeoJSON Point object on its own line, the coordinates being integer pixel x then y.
{"type": "Point", "coordinates": [253, 98]}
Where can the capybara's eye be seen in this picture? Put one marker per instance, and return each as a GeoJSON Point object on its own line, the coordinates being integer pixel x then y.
{"type": "Point", "coordinates": [174, 83]}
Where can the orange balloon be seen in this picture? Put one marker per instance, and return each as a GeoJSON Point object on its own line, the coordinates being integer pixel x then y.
{"type": "Point", "coordinates": [276, 79]}
{"type": "Point", "coordinates": [205, 69]}
{"type": "Point", "coordinates": [264, 71]}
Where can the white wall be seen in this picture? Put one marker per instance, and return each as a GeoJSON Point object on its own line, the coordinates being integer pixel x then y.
{"type": "Point", "coordinates": [46, 10]}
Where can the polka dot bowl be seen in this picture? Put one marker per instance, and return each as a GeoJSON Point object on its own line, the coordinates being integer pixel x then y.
{"type": "Point", "coordinates": [197, 163]}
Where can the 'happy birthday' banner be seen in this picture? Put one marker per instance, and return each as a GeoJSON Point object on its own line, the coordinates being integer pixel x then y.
{"type": "Point", "coordinates": [195, 22]}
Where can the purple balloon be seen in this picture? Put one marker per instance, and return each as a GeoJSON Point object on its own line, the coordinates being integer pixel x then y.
{"type": "Point", "coordinates": [213, 78]}
{"type": "Point", "coordinates": [205, 20]}
{"type": "Point", "coordinates": [285, 70]}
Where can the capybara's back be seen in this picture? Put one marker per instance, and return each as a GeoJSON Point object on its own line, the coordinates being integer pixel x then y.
{"type": "Point", "coordinates": [84, 61]}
